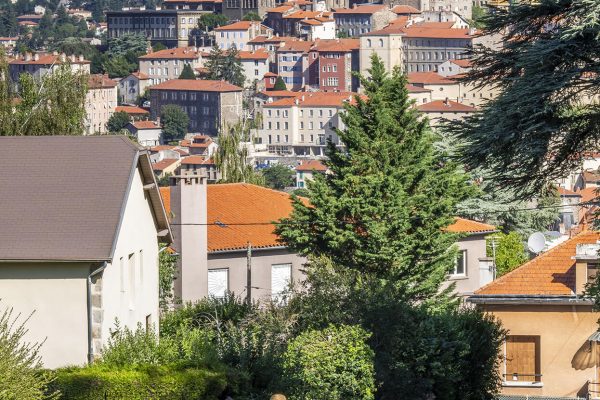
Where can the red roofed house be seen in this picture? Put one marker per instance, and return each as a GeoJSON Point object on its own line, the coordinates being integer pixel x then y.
{"type": "Point", "coordinates": [316, 28]}
{"type": "Point", "coordinates": [335, 60]}
{"type": "Point", "coordinates": [135, 113]}
{"type": "Point", "coordinates": [221, 230]}
{"type": "Point", "coordinates": [239, 33]}
{"type": "Point", "coordinates": [166, 167]}
{"type": "Point", "coordinates": [199, 145]}
{"type": "Point", "coordinates": [361, 19]}
{"type": "Point", "coordinates": [445, 109]}
{"type": "Point", "coordinates": [209, 104]}
{"type": "Point", "coordinates": [100, 103]}
{"type": "Point", "coordinates": [552, 348]}
{"type": "Point", "coordinates": [164, 65]}
{"type": "Point", "coordinates": [39, 65]}
{"type": "Point", "coordinates": [255, 64]}
{"type": "Point", "coordinates": [293, 63]}
{"type": "Point", "coordinates": [147, 133]}
{"type": "Point", "coordinates": [307, 170]}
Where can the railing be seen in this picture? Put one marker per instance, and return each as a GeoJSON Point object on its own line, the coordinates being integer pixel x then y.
{"type": "Point", "coordinates": [516, 377]}
{"type": "Point", "coordinates": [593, 389]}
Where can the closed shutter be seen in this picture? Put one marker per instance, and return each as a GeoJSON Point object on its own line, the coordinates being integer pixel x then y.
{"type": "Point", "coordinates": [521, 363]}
{"type": "Point", "coordinates": [218, 282]}
{"type": "Point", "coordinates": [281, 276]}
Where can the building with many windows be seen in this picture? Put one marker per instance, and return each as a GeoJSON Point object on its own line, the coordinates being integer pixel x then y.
{"type": "Point", "coordinates": [336, 59]}
{"type": "Point", "coordinates": [239, 33]}
{"type": "Point", "coordinates": [208, 104]}
{"type": "Point", "coordinates": [100, 103]}
{"type": "Point", "coordinates": [164, 65]}
{"type": "Point", "coordinates": [362, 19]}
{"type": "Point", "coordinates": [169, 27]}
{"type": "Point", "coordinates": [293, 63]}
{"type": "Point", "coordinates": [38, 65]}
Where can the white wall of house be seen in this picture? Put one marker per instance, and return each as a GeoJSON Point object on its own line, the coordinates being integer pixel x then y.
{"type": "Point", "coordinates": [227, 39]}
{"type": "Point", "coordinates": [130, 282]}
{"type": "Point", "coordinates": [56, 295]}
{"type": "Point", "coordinates": [254, 69]}
{"type": "Point", "coordinates": [149, 137]}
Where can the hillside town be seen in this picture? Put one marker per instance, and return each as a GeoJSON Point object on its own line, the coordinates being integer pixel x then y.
{"type": "Point", "coordinates": [302, 199]}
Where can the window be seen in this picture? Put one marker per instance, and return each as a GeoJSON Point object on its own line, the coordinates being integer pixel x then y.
{"type": "Point", "coordinates": [522, 360]}
{"type": "Point", "coordinates": [368, 42]}
{"type": "Point", "coordinates": [460, 269]}
{"type": "Point", "coordinates": [380, 42]}
{"type": "Point", "coordinates": [218, 282]}
{"type": "Point", "coordinates": [281, 277]}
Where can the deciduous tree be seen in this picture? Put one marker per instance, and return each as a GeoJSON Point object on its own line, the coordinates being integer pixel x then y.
{"type": "Point", "coordinates": [231, 157]}
{"type": "Point", "coordinates": [174, 122]}
{"type": "Point", "coordinates": [117, 121]}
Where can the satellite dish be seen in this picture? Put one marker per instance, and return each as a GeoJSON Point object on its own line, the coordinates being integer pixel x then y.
{"type": "Point", "coordinates": [536, 242]}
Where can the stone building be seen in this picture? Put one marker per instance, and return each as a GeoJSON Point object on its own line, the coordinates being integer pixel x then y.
{"type": "Point", "coordinates": [38, 65]}
{"type": "Point", "coordinates": [361, 19]}
{"type": "Point", "coordinates": [132, 87]}
{"type": "Point", "coordinates": [208, 104]}
{"type": "Point", "coordinates": [164, 65]}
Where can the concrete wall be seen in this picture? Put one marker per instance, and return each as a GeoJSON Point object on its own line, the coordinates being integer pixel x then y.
{"type": "Point", "coordinates": [565, 363]}
{"type": "Point", "coordinates": [56, 295]}
{"type": "Point", "coordinates": [161, 70]}
{"type": "Point", "coordinates": [474, 246]}
{"type": "Point", "coordinates": [387, 47]}
{"type": "Point", "coordinates": [100, 105]}
{"type": "Point", "coordinates": [130, 282]}
{"type": "Point", "coordinates": [262, 260]}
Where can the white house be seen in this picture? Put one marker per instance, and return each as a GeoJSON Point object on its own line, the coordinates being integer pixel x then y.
{"type": "Point", "coordinates": [147, 133]}
{"type": "Point", "coordinates": [239, 33]}
{"type": "Point", "coordinates": [133, 86]}
{"type": "Point", "coordinates": [82, 220]}
{"type": "Point", "coordinates": [255, 64]}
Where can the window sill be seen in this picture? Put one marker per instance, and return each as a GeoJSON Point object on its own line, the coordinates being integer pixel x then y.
{"type": "Point", "coordinates": [522, 384]}
{"type": "Point", "coordinates": [458, 277]}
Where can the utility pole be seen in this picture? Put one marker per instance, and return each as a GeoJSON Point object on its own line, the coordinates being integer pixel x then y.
{"type": "Point", "coordinates": [249, 274]}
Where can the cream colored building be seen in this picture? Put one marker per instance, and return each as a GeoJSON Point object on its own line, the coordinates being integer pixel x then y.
{"type": "Point", "coordinates": [88, 255]}
{"type": "Point", "coordinates": [552, 348]}
{"type": "Point", "coordinates": [38, 65]}
{"type": "Point", "coordinates": [239, 33]}
{"type": "Point", "coordinates": [132, 87]}
{"type": "Point", "coordinates": [163, 65]}
{"type": "Point", "coordinates": [100, 103]}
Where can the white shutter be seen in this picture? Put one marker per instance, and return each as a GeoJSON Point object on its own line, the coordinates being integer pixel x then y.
{"type": "Point", "coordinates": [281, 276]}
{"type": "Point", "coordinates": [218, 282]}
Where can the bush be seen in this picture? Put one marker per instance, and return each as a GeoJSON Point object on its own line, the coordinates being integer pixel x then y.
{"type": "Point", "coordinates": [334, 363]}
{"type": "Point", "coordinates": [143, 382]}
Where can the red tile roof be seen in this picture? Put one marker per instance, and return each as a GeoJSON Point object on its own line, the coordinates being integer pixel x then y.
{"type": "Point", "coordinates": [462, 225]}
{"type": "Point", "coordinates": [551, 273]}
{"type": "Point", "coordinates": [47, 59]}
{"type": "Point", "coordinates": [187, 53]}
{"type": "Point", "coordinates": [235, 205]}
{"type": "Point", "coordinates": [591, 176]}
{"type": "Point", "coordinates": [313, 22]}
{"type": "Point", "coordinates": [416, 89]}
{"type": "Point", "coordinates": [420, 31]}
{"type": "Point", "coordinates": [296, 45]}
{"type": "Point", "coordinates": [132, 110]}
{"type": "Point", "coordinates": [259, 54]}
{"type": "Point", "coordinates": [462, 63]}
{"type": "Point", "coordinates": [99, 81]}
{"type": "Point", "coordinates": [445, 106]}
{"type": "Point", "coordinates": [429, 78]}
{"type": "Point", "coordinates": [200, 85]}
{"type": "Point", "coordinates": [280, 9]}
{"type": "Point", "coordinates": [336, 45]}
{"type": "Point", "coordinates": [280, 93]}
{"type": "Point", "coordinates": [165, 163]}
{"type": "Point", "coordinates": [366, 9]}
{"type": "Point", "coordinates": [311, 165]}
{"type": "Point", "coordinates": [145, 125]}
{"type": "Point", "coordinates": [238, 26]}
{"type": "Point", "coordinates": [161, 147]}
{"type": "Point", "coordinates": [588, 194]}
{"type": "Point", "coordinates": [196, 160]}
{"type": "Point", "coordinates": [315, 99]}
{"type": "Point", "coordinates": [402, 9]}
{"type": "Point", "coordinates": [300, 14]}
{"type": "Point", "coordinates": [566, 192]}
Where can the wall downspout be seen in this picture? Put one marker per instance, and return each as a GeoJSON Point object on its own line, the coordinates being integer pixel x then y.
{"type": "Point", "coordinates": [90, 351]}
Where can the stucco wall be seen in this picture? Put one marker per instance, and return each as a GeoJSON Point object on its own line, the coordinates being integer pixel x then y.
{"type": "Point", "coordinates": [137, 233]}
{"type": "Point", "coordinates": [475, 250]}
{"type": "Point", "coordinates": [262, 260]}
{"type": "Point", "coordinates": [563, 330]}
{"type": "Point", "coordinates": [56, 295]}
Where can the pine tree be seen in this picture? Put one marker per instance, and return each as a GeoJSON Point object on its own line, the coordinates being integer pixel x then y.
{"type": "Point", "coordinates": [187, 72]}
{"type": "Point", "coordinates": [279, 84]}
{"type": "Point", "coordinates": [233, 72]}
{"type": "Point", "coordinates": [384, 207]}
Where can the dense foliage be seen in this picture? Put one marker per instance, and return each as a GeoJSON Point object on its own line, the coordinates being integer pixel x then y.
{"type": "Point", "coordinates": [117, 121]}
{"type": "Point", "coordinates": [540, 126]}
{"type": "Point", "coordinates": [334, 363]}
{"type": "Point", "coordinates": [278, 176]}
{"type": "Point", "coordinates": [122, 57]}
{"type": "Point", "coordinates": [174, 122]}
{"type": "Point", "coordinates": [21, 373]}
{"type": "Point", "coordinates": [279, 84]}
{"type": "Point", "coordinates": [52, 105]}
{"type": "Point", "coordinates": [231, 157]}
{"type": "Point", "coordinates": [509, 253]}
{"type": "Point", "coordinates": [167, 273]}
{"type": "Point", "coordinates": [225, 66]}
{"type": "Point", "coordinates": [187, 72]}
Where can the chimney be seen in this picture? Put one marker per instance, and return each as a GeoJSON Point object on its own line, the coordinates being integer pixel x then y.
{"type": "Point", "coordinates": [36, 57]}
{"type": "Point", "coordinates": [586, 264]}
{"type": "Point", "coordinates": [472, 31]}
{"type": "Point", "coordinates": [189, 205]}
{"type": "Point", "coordinates": [81, 59]}
{"type": "Point", "coordinates": [302, 97]}
{"type": "Point", "coordinates": [27, 56]}
{"type": "Point", "coordinates": [63, 57]}
{"type": "Point", "coordinates": [446, 102]}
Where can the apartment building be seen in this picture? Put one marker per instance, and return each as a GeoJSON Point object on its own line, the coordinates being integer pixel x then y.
{"type": "Point", "coordinates": [255, 65]}
{"type": "Point", "coordinates": [316, 28]}
{"type": "Point", "coordinates": [209, 104]}
{"type": "Point", "coordinates": [214, 6]}
{"type": "Point", "coordinates": [293, 63]}
{"type": "Point", "coordinates": [462, 7]}
{"type": "Point", "coordinates": [236, 9]}
{"type": "Point", "coordinates": [239, 33]}
{"type": "Point", "coordinates": [362, 19]}
{"type": "Point", "coordinates": [100, 103]}
{"type": "Point", "coordinates": [164, 65]}
{"type": "Point", "coordinates": [335, 60]}
{"type": "Point", "coordinates": [169, 27]}
{"type": "Point", "coordinates": [438, 110]}
{"type": "Point", "coordinates": [38, 65]}
{"type": "Point", "coordinates": [302, 125]}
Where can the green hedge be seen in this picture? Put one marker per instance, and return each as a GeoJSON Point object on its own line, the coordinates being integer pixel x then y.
{"type": "Point", "coordinates": [141, 383]}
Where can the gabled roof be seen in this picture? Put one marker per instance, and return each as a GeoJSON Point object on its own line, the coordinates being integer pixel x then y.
{"type": "Point", "coordinates": [315, 99]}
{"type": "Point", "coordinates": [416, 89]}
{"type": "Point", "coordinates": [311, 165]}
{"type": "Point", "coordinates": [300, 14]}
{"type": "Point", "coordinates": [199, 85]}
{"type": "Point", "coordinates": [462, 63]}
{"type": "Point", "coordinates": [280, 9]}
{"type": "Point", "coordinates": [260, 54]}
{"type": "Point", "coordinates": [462, 225]}
{"type": "Point", "coordinates": [164, 163]}
{"type": "Point", "coordinates": [196, 160]}
{"type": "Point", "coordinates": [296, 46]}
{"type": "Point", "coordinates": [550, 274]}
{"type": "Point", "coordinates": [140, 125]}
{"type": "Point", "coordinates": [429, 78]}
{"type": "Point", "coordinates": [233, 206]}
{"type": "Point", "coordinates": [132, 110]}
{"type": "Point", "coordinates": [336, 45]}
{"type": "Point", "coordinates": [566, 192]}
{"type": "Point", "coordinates": [63, 196]}
{"type": "Point", "coordinates": [47, 59]}
{"type": "Point", "coordinates": [445, 106]}
{"type": "Point", "coordinates": [99, 81]}
{"type": "Point", "coordinates": [404, 9]}
{"type": "Point", "coordinates": [140, 75]}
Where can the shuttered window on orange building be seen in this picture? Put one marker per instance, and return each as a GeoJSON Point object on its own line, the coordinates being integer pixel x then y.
{"type": "Point", "coordinates": [522, 359]}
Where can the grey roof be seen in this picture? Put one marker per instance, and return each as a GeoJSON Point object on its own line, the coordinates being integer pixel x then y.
{"type": "Point", "coordinates": [62, 196]}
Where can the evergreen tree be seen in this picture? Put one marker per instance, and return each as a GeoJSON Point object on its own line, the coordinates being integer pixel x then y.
{"type": "Point", "coordinates": [384, 208]}
{"type": "Point", "coordinates": [279, 84]}
{"type": "Point", "coordinates": [231, 157]}
{"type": "Point", "coordinates": [279, 176]}
{"type": "Point", "coordinates": [174, 122]}
{"type": "Point", "coordinates": [214, 63]}
{"type": "Point", "coordinates": [225, 66]}
{"type": "Point", "coordinates": [542, 123]}
{"type": "Point", "coordinates": [187, 72]}
{"type": "Point", "coordinates": [252, 16]}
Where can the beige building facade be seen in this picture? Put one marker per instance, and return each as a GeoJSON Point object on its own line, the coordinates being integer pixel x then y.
{"type": "Point", "coordinates": [100, 103]}
{"type": "Point", "coordinates": [163, 65]}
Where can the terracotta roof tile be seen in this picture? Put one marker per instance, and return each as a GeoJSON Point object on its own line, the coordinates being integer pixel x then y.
{"type": "Point", "coordinates": [200, 85]}
{"type": "Point", "coordinates": [99, 81]}
{"type": "Point", "coordinates": [403, 9]}
{"type": "Point", "coordinates": [133, 110]}
{"type": "Point", "coordinates": [315, 99]}
{"type": "Point", "coordinates": [551, 273]}
{"type": "Point", "coordinates": [189, 53]}
{"type": "Point", "coordinates": [165, 163]}
{"type": "Point", "coordinates": [145, 125]}
{"type": "Point", "coordinates": [259, 54]}
{"type": "Point", "coordinates": [445, 106]}
{"type": "Point", "coordinates": [311, 165]}
{"type": "Point", "coordinates": [429, 78]}
{"type": "Point", "coordinates": [238, 26]}
{"type": "Point", "coordinates": [462, 225]}
{"type": "Point", "coordinates": [296, 45]}
{"type": "Point", "coordinates": [336, 45]}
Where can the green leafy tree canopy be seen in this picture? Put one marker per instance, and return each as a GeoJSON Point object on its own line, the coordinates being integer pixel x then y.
{"type": "Point", "coordinates": [278, 176]}
{"type": "Point", "coordinates": [509, 251]}
{"type": "Point", "coordinates": [117, 121]}
{"type": "Point", "coordinates": [279, 84]}
{"type": "Point", "coordinates": [187, 72]}
{"type": "Point", "coordinates": [174, 122]}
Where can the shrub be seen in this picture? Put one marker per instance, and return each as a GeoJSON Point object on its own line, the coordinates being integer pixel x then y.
{"type": "Point", "coordinates": [142, 382]}
{"type": "Point", "coordinates": [333, 363]}
{"type": "Point", "coordinates": [21, 375]}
